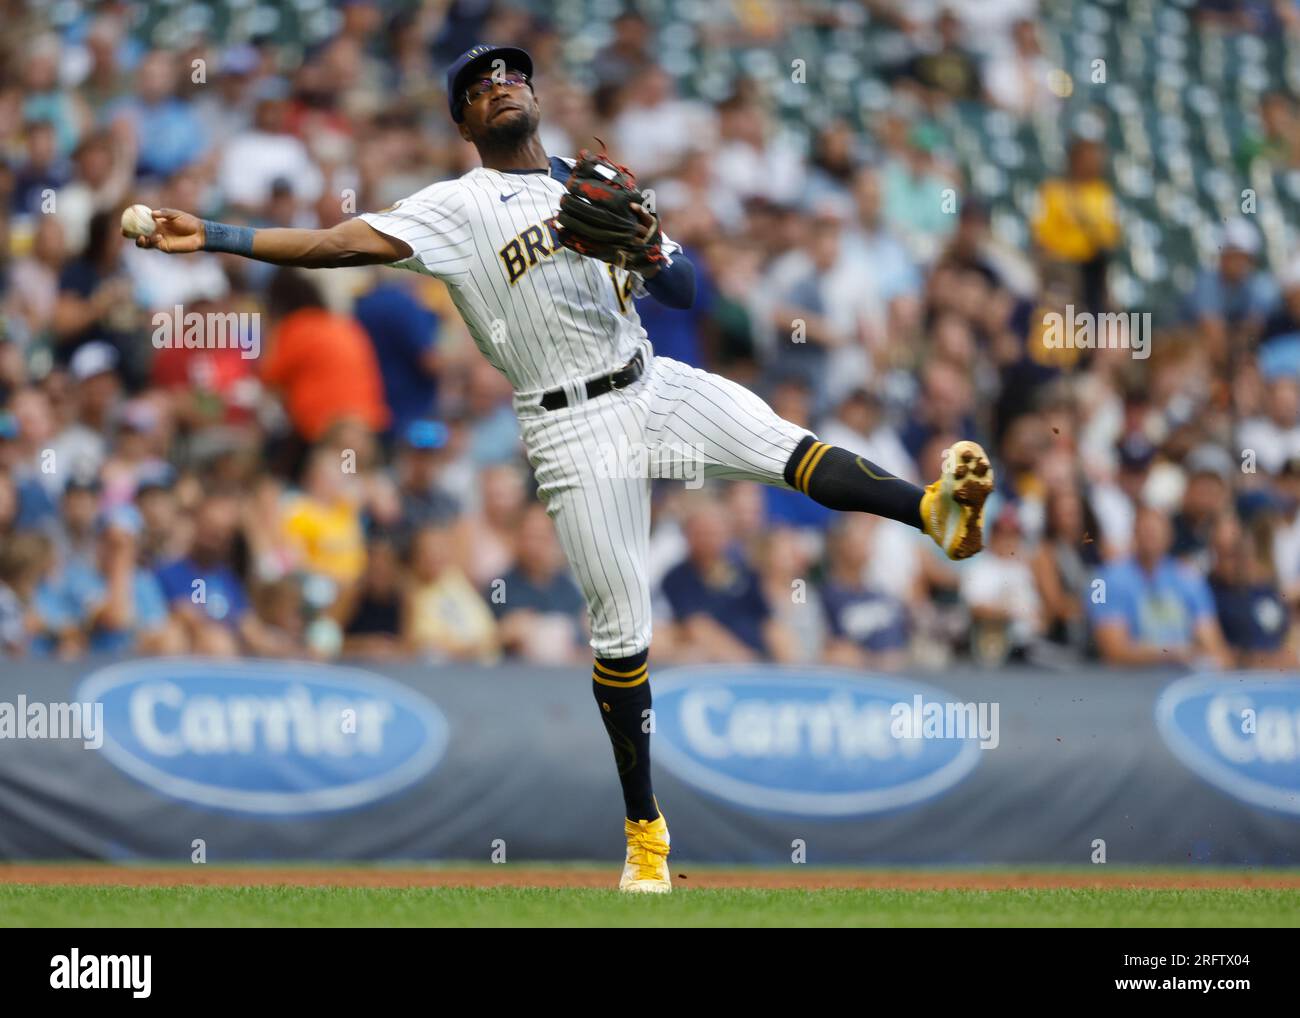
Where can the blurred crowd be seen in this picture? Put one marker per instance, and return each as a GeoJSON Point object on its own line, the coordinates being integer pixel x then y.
{"type": "Point", "coordinates": [347, 479]}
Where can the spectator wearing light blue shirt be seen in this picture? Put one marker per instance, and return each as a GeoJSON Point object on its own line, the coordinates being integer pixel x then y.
{"type": "Point", "coordinates": [113, 604]}
{"type": "Point", "coordinates": [1235, 296]}
{"type": "Point", "coordinates": [1152, 610]}
{"type": "Point", "coordinates": [169, 133]}
{"type": "Point", "coordinates": [873, 242]}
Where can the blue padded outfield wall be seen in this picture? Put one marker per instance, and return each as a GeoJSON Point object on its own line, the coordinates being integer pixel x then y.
{"type": "Point", "coordinates": [298, 761]}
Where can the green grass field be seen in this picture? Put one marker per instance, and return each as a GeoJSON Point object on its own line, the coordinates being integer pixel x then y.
{"type": "Point", "coordinates": [282, 906]}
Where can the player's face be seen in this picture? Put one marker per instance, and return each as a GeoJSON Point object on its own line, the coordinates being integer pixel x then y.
{"type": "Point", "coordinates": [503, 114]}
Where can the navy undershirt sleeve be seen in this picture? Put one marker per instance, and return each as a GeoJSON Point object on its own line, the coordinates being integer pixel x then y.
{"type": "Point", "coordinates": [674, 286]}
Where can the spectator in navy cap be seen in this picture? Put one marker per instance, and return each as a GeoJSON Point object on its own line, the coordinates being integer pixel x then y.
{"type": "Point", "coordinates": [164, 529]}
{"type": "Point", "coordinates": [867, 628]}
{"type": "Point", "coordinates": [418, 469]}
{"type": "Point", "coordinates": [1207, 496]}
{"type": "Point", "coordinates": [1256, 621]}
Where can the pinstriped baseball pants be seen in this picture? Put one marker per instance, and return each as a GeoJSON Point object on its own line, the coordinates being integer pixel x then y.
{"type": "Point", "coordinates": [595, 460]}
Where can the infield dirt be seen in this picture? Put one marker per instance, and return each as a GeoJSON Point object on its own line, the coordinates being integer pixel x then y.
{"type": "Point", "coordinates": [684, 877]}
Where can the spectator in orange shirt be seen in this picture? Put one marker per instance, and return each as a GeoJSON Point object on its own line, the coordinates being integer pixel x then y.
{"type": "Point", "coordinates": [322, 363]}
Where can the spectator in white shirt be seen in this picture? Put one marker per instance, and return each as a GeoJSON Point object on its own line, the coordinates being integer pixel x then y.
{"type": "Point", "coordinates": [1018, 81]}
{"type": "Point", "coordinates": [822, 311]}
{"type": "Point", "coordinates": [104, 169]}
{"type": "Point", "coordinates": [859, 425]}
{"type": "Point", "coordinates": [1286, 532]}
{"type": "Point", "coordinates": [655, 128]}
{"type": "Point", "coordinates": [254, 160]}
{"type": "Point", "coordinates": [750, 162]}
{"type": "Point", "coordinates": [1275, 437]}
{"type": "Point", "coordinates": [998, 588]}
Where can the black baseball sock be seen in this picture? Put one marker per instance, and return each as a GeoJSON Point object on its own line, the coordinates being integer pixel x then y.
{"type": "Point", "coordinates": [840, 480]}
{"type": "Point", "coordinates": [622, 690]}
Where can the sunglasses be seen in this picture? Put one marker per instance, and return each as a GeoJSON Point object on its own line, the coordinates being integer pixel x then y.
{"type": "Point", "coordinates": [478, 89]}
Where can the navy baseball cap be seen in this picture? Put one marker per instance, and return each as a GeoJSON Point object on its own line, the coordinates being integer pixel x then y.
{"type": "Point", "coordinates": [465, 65]}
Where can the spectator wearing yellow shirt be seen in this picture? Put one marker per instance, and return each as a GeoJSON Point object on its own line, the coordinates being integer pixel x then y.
{"type": "Point", "coordinates": [322, 524]}
{"type": "Point", "coordinates": [1077, 222]}
{"type": "Point", "coordinates": [444, 617]}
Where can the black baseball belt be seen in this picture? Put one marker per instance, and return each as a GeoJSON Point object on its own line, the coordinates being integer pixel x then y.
{"type": "Point", "coordinates": [557, 399]}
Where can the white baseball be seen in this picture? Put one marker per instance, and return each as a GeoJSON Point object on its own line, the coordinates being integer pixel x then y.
{"type": "Point", "coordinates": [137, 221]}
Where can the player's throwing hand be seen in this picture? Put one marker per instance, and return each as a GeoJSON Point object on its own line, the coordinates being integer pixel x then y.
{"type": "Point", "coordinates": [175, 232]}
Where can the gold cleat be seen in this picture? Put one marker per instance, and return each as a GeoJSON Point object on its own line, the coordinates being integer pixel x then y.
{"type": "Point", "coordinates": [646, 869]}
{"type": "Point", "coordinates": [952, 508]}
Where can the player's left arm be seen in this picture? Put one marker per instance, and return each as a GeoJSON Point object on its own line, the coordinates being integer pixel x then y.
{"type": "Point", "coordinates": [672, 282]}
{"type": "Point", "coordinates": [673, 285]}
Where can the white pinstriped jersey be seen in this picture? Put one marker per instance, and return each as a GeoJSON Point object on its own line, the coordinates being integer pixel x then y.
{"type": "Point", "coordinates": [548, 318]}
{"type": "Point", "coordinates": [541, 314]}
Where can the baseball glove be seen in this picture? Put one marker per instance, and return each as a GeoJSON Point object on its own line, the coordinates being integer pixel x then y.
{"type": "Point", "coordinates": [597, 218]}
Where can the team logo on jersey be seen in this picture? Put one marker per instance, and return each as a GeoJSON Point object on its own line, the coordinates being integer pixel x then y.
{"type": "Point", "coordinates": [532, 246]}
{"type": "Point", "coordinates": [540, 242]}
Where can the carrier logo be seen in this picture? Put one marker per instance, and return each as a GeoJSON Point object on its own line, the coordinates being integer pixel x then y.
{"type": "Point", "coordinates": [1241, 733]}
{"type": "Point", "coordinates": [265, 737]}
{"type": "Point", "coordinates": [812, 743]}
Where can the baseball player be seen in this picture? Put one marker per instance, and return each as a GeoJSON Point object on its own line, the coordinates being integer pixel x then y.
{"type": "Point", "coordinates": [554, 309]}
